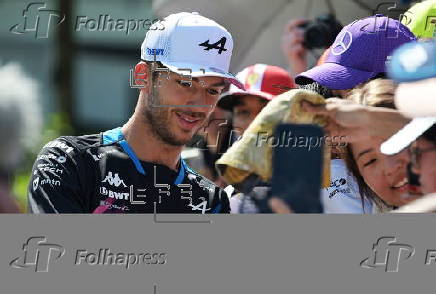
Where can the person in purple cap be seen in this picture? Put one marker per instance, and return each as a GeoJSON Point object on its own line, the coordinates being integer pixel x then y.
{"type": "Point", "coordinates": [359, 53]}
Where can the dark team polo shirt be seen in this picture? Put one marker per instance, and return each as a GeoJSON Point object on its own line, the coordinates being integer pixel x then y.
{"type": "Point", "coordinates": [100, 173]}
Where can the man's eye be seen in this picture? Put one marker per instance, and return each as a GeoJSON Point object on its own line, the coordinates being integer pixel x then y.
{"type": "Point", "coordinates": [370, 162]}
{"type": "Point", "coordinates": [186, 84]}
{"type": "Point", "coordinates": [213, 92]}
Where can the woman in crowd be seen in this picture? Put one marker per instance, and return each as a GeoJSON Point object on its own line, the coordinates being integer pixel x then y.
{"type": "Point", "coordinates": [381, 178]}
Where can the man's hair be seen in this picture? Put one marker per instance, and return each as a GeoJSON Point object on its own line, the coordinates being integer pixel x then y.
{"type": "Point", "coordinates": [20, 117]}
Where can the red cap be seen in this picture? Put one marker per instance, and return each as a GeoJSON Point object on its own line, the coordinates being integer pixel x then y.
{"type": "Point", "coordinates": [265, 81]}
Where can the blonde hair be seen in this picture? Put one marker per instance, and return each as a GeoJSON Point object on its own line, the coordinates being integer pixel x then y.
{"type": "Point", "coordinates": [375, 93]}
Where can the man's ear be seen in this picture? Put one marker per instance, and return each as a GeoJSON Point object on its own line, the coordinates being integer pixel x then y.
{"type": "Point", "coordinates": [141, 75]}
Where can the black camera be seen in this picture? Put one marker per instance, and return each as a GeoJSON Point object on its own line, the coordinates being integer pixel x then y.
{"type": "Point", "coordinates": [321, 32]}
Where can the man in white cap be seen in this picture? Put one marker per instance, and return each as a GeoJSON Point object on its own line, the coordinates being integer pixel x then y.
{"type": "Point", "coordinates": [137, 168]}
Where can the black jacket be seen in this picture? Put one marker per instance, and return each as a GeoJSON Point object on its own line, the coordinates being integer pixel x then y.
{"type": "Point", "coordinates": [101, 174]}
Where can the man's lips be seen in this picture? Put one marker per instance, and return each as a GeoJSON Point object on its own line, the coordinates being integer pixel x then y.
{"type": "Point", "coordinates": [189, 120]}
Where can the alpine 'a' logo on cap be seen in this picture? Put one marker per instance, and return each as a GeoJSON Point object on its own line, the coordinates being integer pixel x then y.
{"type": "Point", "coordinates": [220, 49]}
{"type": "Point", "coordinates": [342, 43]}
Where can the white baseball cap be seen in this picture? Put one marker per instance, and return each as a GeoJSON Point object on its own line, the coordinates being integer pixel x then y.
{"type": "Point", "coordinates": [408, 134]}
{"type": "Point", "coordinates": [190, 44]}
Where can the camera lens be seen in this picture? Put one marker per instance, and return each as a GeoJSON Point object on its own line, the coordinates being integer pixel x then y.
{"type": "Point", "coordinates": [317, 36]}
{"type": "Point", "coordinates": [322, 32]}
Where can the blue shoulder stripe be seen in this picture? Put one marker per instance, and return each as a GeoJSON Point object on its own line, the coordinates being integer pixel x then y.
{"type": "Point", "coordinates": [112, 136]}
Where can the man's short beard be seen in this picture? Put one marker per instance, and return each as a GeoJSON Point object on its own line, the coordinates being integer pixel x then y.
{"type": "Point", "coordinates": [159, 117]}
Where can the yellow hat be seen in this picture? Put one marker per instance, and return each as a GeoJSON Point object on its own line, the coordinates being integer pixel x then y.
{"type": "Point", "coordinates": [421, 19]}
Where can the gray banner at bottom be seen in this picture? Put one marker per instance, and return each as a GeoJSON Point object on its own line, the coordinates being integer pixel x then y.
{"type": "Point", "coordinates": [255, 254]}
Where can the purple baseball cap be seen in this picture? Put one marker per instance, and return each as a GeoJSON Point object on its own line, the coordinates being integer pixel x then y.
{"type": "Point", "coordinates": [359, 53]}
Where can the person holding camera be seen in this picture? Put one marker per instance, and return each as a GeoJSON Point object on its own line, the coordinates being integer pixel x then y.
{"type": "Point", "coordinates": [301, 35]}
{"type": "Point", "coordinates": [358, 54]}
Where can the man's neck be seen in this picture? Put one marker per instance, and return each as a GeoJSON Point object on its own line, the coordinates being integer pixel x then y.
{"type": "Point", "coordinates": [147, 146]}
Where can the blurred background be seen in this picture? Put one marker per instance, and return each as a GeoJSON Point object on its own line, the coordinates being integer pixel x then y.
{"type": "Point", "coordinates": [73, 57]}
